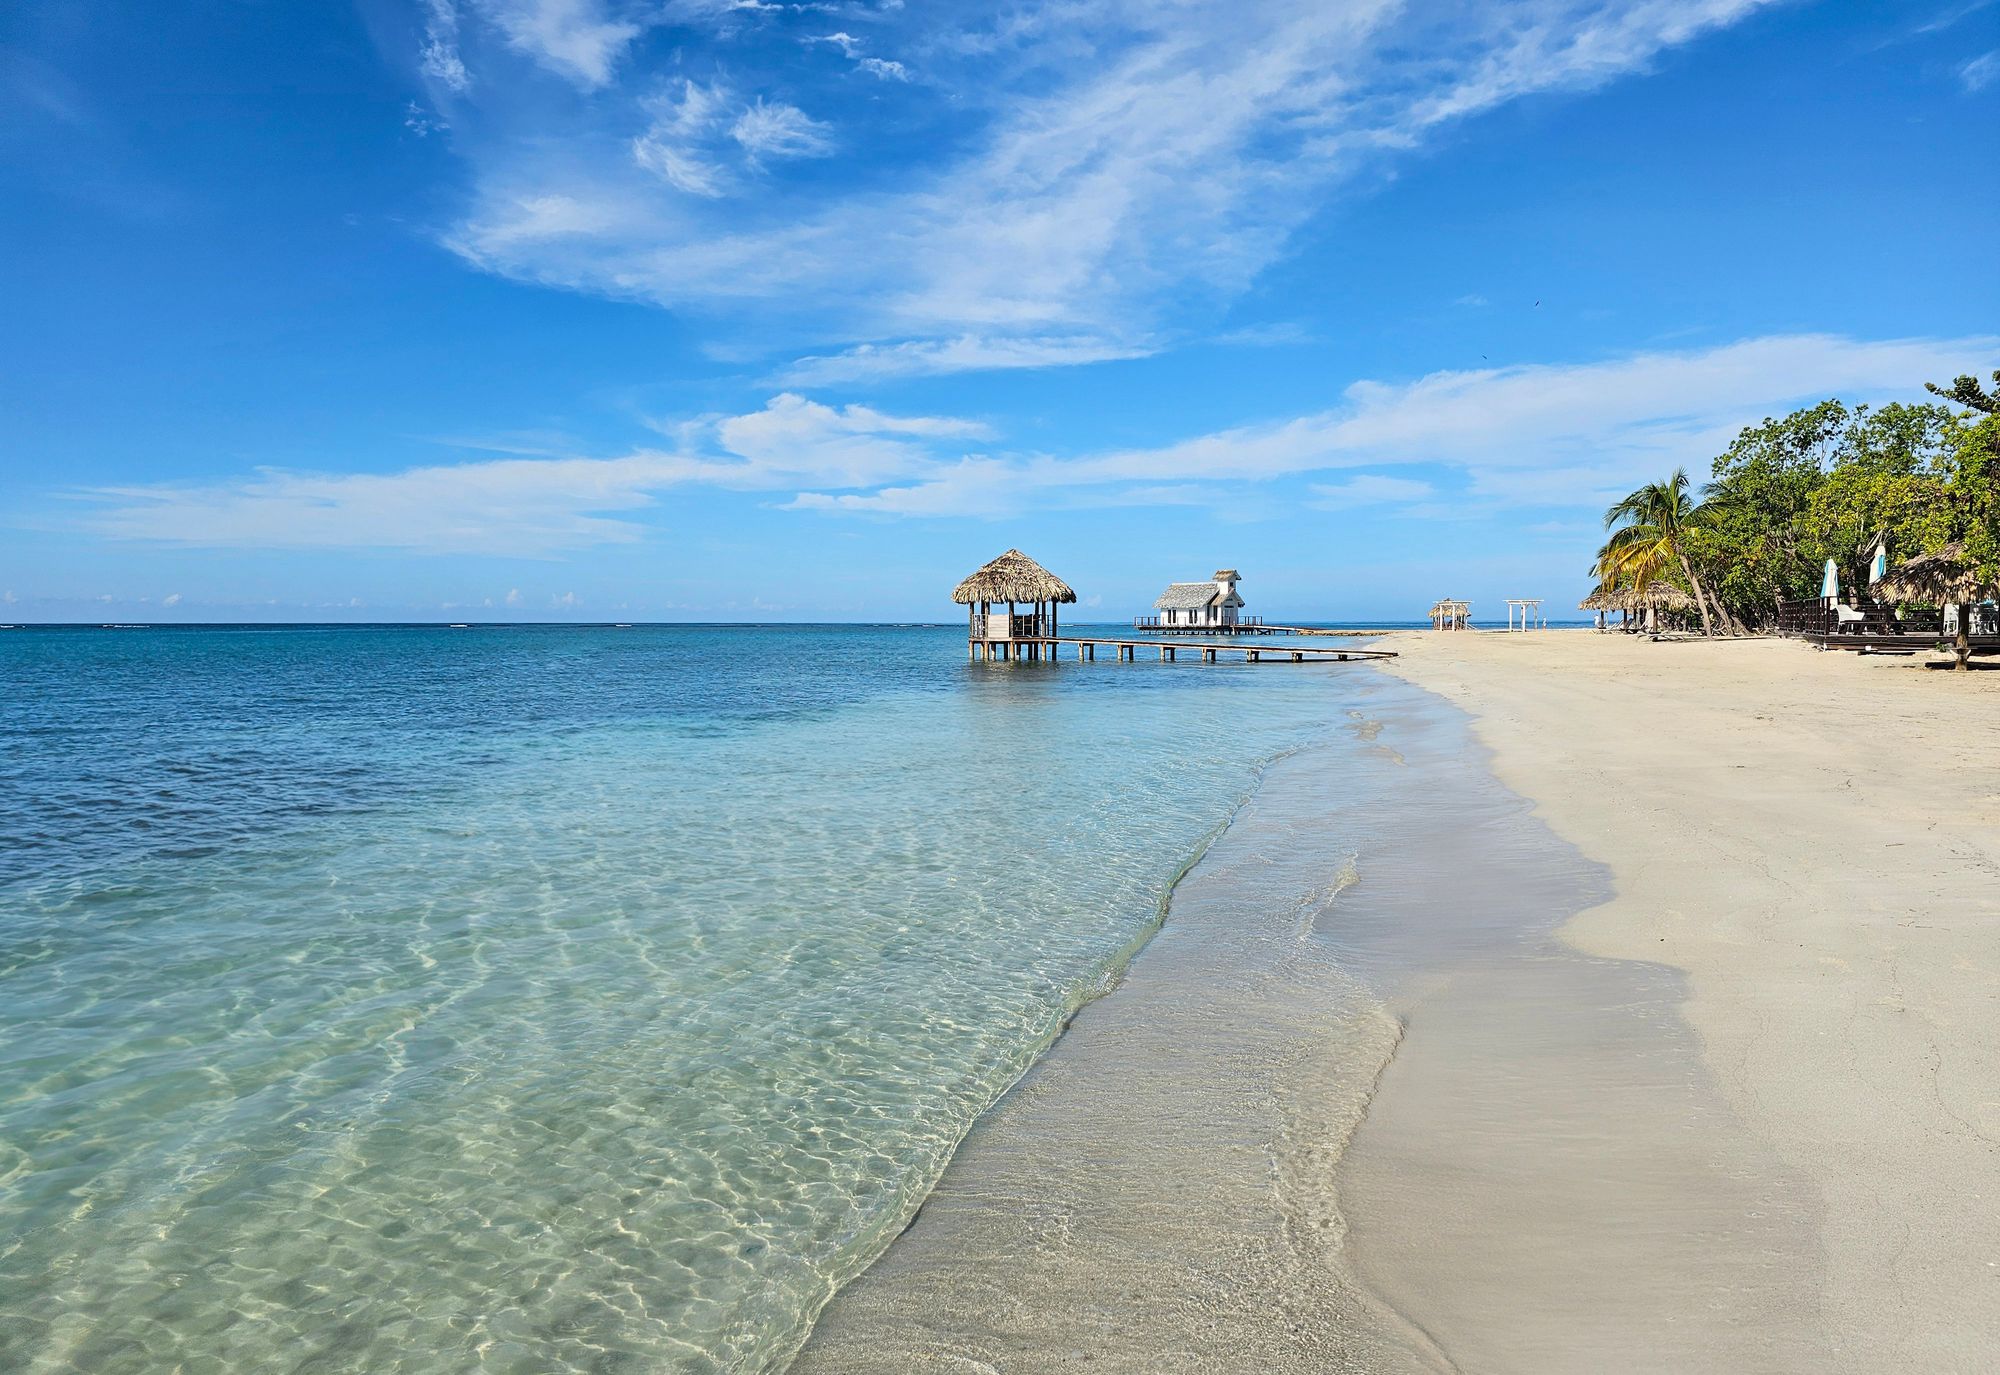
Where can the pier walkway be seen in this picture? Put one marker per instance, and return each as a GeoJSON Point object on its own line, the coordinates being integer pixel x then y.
{"type": "Point", "coordinates": [1050, 647]}
{"type": "Point", "coordinates": [1153, 625]}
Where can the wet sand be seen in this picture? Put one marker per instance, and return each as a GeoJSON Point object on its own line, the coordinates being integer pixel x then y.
{"type": "Point", "coordinates": [1358, 1107]}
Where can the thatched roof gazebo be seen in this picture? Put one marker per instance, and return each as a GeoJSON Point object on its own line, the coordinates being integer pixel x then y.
{"type": "Point", "coordinates": [1014, 579]}
{"type": "Point", "coordinates": [1658, 596]}
{"type": "Point", "coordinates": [1650, 600]}
{"type": "Point", "coordinates": [1944, 577]}
{"type": "Point", "coordinates": [1603, 600]}
{"type": "Point", "coordinates": [1449, 613]}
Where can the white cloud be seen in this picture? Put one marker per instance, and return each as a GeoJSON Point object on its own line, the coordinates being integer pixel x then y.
{"type": "Point", "coordinates": [1540, 435]}
{"type": "Point", "coordinates": [1532, 434]}
{"type": "Point", "coordinates": [774, 130]}
{"type": "Point", "coordinates": [531, 507]}
{"type": "Point", "coordinates": [851, 48]}
{"type": "Point", "coordinates": [576, 39]}
{"type": "Point", "coordinates": [171, 599]}
{"type": "Point", "coordinates": [1980, 72]}
{"type": "Point", "coordinates": [681, 125]}
{"type": "Point", "coordinates": [1130, 164]}
{"type": "Point", "coordinates": [687, 143]}
{"type": "Point", "coordinates": [439, 57]}
{"type": "Point", "coordinates": [915, 357]}
{"type": "Point", "coordinates": [513, 597]}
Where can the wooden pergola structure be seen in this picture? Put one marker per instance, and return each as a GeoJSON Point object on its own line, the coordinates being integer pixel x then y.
{"type": "Point", "coordinates": [1014, 580]}
{"type": "Point", "coordinates": [1530, 613]}
{"type": "Point", "coordinates": [1449, 613]}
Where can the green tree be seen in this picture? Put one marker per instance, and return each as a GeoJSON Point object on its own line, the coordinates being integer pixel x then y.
{"type": "Point", "coordinates": [1649, 532]}
{"type": "Point", "coordinates": [1967, 392]}
{"type": "Point", "coordinates": [1753, 539]}
{"type": "Point", "coordinates": [1890, 476]}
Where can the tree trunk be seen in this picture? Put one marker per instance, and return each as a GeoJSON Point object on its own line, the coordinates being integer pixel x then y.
{"type": "Point", "coordinates": [1961, 643]}
{"type": "Point", "coordinates": [1700, 601]}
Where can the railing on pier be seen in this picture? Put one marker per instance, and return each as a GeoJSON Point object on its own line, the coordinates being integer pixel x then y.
{"type": "Point", "coordinates": [1158, 624]}
{"type": "Point", "coordinates": [998, 625]}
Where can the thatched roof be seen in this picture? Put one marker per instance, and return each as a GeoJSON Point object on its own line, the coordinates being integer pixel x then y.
{"type": "Point", "coordinates": [1937, 579]}
{"type": "Point", "coordinates": [1013, 577]}
{"type": "Point", "coordinates": [1603, 599]}
{"type": "Point", "coordinates": [1662, 596]}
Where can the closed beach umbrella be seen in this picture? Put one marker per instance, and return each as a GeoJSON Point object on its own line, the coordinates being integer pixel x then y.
{"type": "Point", "coordinates": [1829, 586]}
{"type": "Point", "coordinates": [1878, 567]}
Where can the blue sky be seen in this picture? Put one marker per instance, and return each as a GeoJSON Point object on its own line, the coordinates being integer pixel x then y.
{"type": "Point", "coordinates": [553, 309]}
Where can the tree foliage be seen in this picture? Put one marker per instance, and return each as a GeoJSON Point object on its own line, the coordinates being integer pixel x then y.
{"type": "Point", "coordinates": [1825, 482]}
{"type": "Point", "coordinates": [1966, 391]}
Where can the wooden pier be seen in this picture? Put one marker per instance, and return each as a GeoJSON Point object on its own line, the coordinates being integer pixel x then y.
{"type": "Point", "coordinates": [1014, 580]}
{"type": "Point", "coordinates": [1035, 648]}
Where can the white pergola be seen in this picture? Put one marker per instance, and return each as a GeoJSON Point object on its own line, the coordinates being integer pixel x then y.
{"type": "Point", "coordinates": [1531, 613]}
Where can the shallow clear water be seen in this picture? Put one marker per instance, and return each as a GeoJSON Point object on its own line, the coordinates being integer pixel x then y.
{"type": "Point", "coordinates": [544, 998]}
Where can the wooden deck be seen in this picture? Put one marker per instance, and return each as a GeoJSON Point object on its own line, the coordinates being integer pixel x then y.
{"type": "Point", "coordinates": [1150, 625]}
{"type": "Point", "coordinates": [1864, 642]}
{"type": "Point", "coordinates": [1127, 651]}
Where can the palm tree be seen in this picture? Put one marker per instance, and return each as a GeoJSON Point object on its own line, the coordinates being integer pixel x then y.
{"type": "Point", "coordinates": [1649, 531]}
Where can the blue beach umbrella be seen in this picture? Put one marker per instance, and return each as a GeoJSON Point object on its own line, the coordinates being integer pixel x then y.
{"type": "Point", "coordinates": [1878, 567]}
{"type": "Point", "coordinates": [1829, 586]}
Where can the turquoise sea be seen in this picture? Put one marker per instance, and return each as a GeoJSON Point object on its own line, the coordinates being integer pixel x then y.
{"type": "Point", "coordinates": [534, 999]}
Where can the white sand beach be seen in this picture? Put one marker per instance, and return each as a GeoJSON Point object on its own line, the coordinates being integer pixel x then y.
{"type": "Point", "coordinates": [1693, 982]}
{"type": "Point", "coordinates": [1814, 838]}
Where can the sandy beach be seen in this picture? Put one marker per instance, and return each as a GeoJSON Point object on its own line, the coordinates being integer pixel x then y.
{"type": "Point", "coordinates": [1649, 1027]}
{"type": "Point", "coordinates": [1814, 840]}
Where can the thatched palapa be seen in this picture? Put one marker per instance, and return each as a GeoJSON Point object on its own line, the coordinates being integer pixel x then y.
{"type": "Point", "coordinates": [1603, 599]}
{"type": "Point", "coordinates": [1943, 578]}
{"type": "Point", "coordinates": [1656, 596]}
{"type": "Point", "coordinates": [1450, 613]}
{"type": "Point", "coordinates": [1013, 577]}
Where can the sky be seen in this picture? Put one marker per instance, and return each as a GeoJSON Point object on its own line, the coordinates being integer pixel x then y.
{"type": "Point", "coordinates": [730, 310]}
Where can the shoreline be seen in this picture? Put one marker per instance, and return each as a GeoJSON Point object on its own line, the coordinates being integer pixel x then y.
{"type": "Point", "coordinates": [1104, 1209]}
{"type": "Point", "coordinates": [1812, 842]}
{"type": "Point", "coordinates": [1532, 1156]}
{"type": "Point", "coordinates": [1206, 1170]}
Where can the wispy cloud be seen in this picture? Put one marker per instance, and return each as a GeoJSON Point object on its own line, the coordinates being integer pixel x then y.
{"type": "Point", "coordinates": [1952, 14]}
{"type": "Point", "coordinates": [533, 507]}
{"type": "Point", "coordinates": [1550, 433]}
{"type": "Point", "coordinates": [577, 39]}
{"type": "Point", "coordinates": [853, 50]}
{"type": "Point", "coordinates": [967, 352]}
{"type": "Point", "coordinates": [1562, 435]}
{"type": "Point", "coordinates": [776, 130]}
{"type": "Point", "coordinates": [1105, 170]}
{"type": "Point", "coordinates": [701, 136]}
{"type": "Point", "coordinates": [439, 57]}
{"type": "Point", "coordinates": [1981, 71]}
